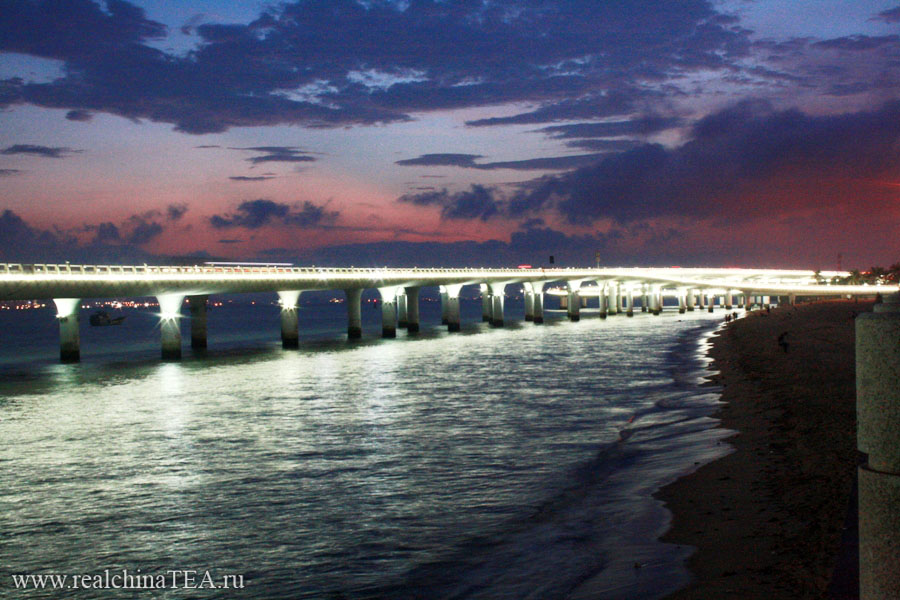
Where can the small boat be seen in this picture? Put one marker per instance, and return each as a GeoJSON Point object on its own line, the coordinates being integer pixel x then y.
{"type": "Point", "coordinates": [101, 318]}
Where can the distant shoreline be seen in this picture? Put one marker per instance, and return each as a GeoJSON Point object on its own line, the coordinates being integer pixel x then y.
{"type": "Point", "coordinates": [767, 519]}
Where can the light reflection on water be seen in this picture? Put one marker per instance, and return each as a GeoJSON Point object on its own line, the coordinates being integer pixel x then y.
{"type": "Point", "coordinates": [483, 465]}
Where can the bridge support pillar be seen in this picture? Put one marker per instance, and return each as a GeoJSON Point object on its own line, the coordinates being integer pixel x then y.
{"type": "Point", "coordinates": [629, 297]}
{"type": "Point", "coordinates": [711, 302]}
{"type": "Point", "coordinates": [453, 320]}
{"type": "Point", "coordinates": [170, 325]}
{"type": "Point", "coordinates": [878, 435]}
{"type": "Point", "coordinates": [498, 293]}
{"type": "Point", "coordinates": [529, 302]}
{"type": "Point", "coordinates": [682, 304]}
{"type": "Point", "coordinates": [486, 302]}
{"type": "Point", "coordinates": [574, 300]}
{"type": "Point", "coordinates": [611, 302]}
{"type": "Point", "coordinates": [601, 299]}
{"type": "Point", "coordinates": [792, 299]}
{"type": "Point", "coordinates": [354, 313]}
{"type": "Point", "coordinates": [402, 318]}
{"type": "Point", "coordinates": [388, 312]}
{"type": "Point", "coordinates": [69, 336]}
{"type": "Point", "coordinates": [645, 298]}
{"type": "Point", "coordinates": [656, 300]}
{"type": "Point", "coordinates": [411, 304]}
{"type": "Point", "coordinates": [729, 300]}
{"type": "Point", "coordinates": [198, 321]}
{"type": "Point", "coordinates": [290, 334]}
{"type": "Point", "coordinates": [444, 305]}
{"type": "Point", "coordinates": [691, 301]}
{"type": "Point", "coordinates": [748, 301]}
{"type": "Point", "coordinates": [538, 302]}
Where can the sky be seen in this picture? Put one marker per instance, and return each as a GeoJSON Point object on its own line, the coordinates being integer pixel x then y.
{"type": "Point", "coordinates": [749, 133]}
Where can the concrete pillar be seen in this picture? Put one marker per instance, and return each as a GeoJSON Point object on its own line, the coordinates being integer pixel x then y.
{"type": "Point", "coordinates": [453, 321]}
{"type": "Point", "coordinates": [486, 303]}
{"type": "Point", "coordinates": [444, 306]}
{"type": "Point", "coordinates": [792, 299]}
{"type": "Point", "coordinates": [690, 299]}
{"type": "Point", "coordinates": [611, 301]}
{"type": "Point", "coordinates": [290, 336]}
{"type": "Point", "coordinates": [878, 435]}
{"type": "Point", "coordinates": [412, 309]}
{"type": "Point", "coordinates": [682, 304]}
{"type": "Point", "coordinates": [656, 301]}
{"type": "Point", "coordinates": [711, 302]}
{"type": "Point", "coordinates": [402, 318]}
{"type": "Point", "coordinates": [529, 303]}
{"type": "Point", "coordinates": [388, 312]}
{"type": "Point", "coordinates": [601, 299]}
{"type": "Point", "coordinates": [748, 300]}
{"type": "Point", "coordinates": [538, 303]}
{"type": "Point", "coordinates": [629, 298]}
{"type": "Point", "coordinates": [645, 298]}
{"type": "Point", "coordinates": [729, 300]}
{"type": "Point", "coordinates": [197, 306]}
{"type": "Point", "coordinates": [170, 325]}
{"type": "Point", "coordinates": [619, 308]}
{"type": "Point", "coordinates": [69, 337]}
{"type": "Point", "coordinates": [574, 300]}
{"type": "Point", "coordinates": [354, 313]}
{"type": "Point", "coordinates": [498, 291]}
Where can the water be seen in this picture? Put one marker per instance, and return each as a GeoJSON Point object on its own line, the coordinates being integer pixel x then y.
{"type": "Point", "coordinates": [496, 463]}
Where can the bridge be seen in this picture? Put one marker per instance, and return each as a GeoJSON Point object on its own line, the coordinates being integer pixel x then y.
{"type": "Point", "coordinates": [619, 290]}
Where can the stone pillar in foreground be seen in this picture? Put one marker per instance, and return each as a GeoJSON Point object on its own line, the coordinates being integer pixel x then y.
{"type": "Point", "coordinates": [412, 309]}
{"type": "Point", "coordinates": [498, 293]}
{"type": "Point", "coordinates": [682, 304]}
{"type": "Point", "coordinates": [691, 301]}
{"type": "Point", "coordinates": [402, 318]}
{"type": "Point", "coordinates": [656, 300]}
{"type": "Point", "coordinates": [198, 321]}
{"type": "Point", "coordinates": [729, 300]}
{"type": "Point", "coordinates": [538, 302]}
{"type": "Point", "coordinates": [290, 335]}
{"type": "Point", "coordinates": [878, 435]}
{"type": "Point", "coordinates": [69, 336]}
{"type": "Point", "coordinates": [574, 300]}
{"type": "Point", "coordinates": [629, 298]}
{"type": "Point", "coordinates": [453, 319]}
{"type": "Point", "coordinates": [712, 302]}
{"type": "Point", "coordinates": [354, 313]}
{"type": "Point", "coordinates": [611, 302]}
{"type": "Point", "coordinates": [170, 325]}
{"type": "Point", "coordinates": [388, 312]}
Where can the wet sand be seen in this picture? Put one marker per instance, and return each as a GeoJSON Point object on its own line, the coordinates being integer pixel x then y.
{"type": "Point", "coordinates": [767, 519]}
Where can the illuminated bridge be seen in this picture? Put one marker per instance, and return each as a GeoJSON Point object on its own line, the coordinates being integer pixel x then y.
{"type": "Point", "coordinates": [619, 291]}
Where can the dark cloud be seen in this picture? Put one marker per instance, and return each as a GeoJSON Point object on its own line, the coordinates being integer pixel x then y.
{"type": "Point", "coordinates": [253, 214]}
{"type": "Point", "coordinates": [35, 150]}
{"type": "Point", "coordinates": [107, 233]}
{"type": "Point", "coordinates": [467, 161]}
{"type": "Point", "coordinates": [478, 202]}
{"type": "Point", "coordinates": [79, 115]}
{"type": "Point", "coordinates": [246, 178]}
{"type": "Point", "coordinates": [641, 126]}
{"type": "Point", "coordinates": [857, 43]}
{"type": "Point", "coordinates": [892, 15]}
{"type": "Point", "coordinates": [174, 212]}
{"type": "Point", "coordinates": [231, 241]}
{"type": "Point", "coordinates": [343, 62]}
{"type": "Point", "coordinates": [277, 154]}
{"type": "Point", "coordinates": [9, 172]}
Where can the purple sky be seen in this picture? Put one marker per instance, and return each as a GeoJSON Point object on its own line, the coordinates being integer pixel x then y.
{"type": "Point", "coordinates": [457, 132]}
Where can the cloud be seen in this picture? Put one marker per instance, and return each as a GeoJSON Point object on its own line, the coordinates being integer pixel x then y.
{"type": "Point", "coordinates": [9, 172]}
{"type": "Point", "coordinates": [639, 126]}
{"type": "Point", "coordinates": [891, 15]}
{"type": "Point", "coordinates": [344, 62]}
{"type": "Point", "coordinates": [231, 241]}
{"type": "Point", "coordinates": [478, 202]}
{"type": "Point", "coordinates": [79, 115]}
{"type": "Point", "coordinates": [277, 154]}
{"type": "Point", "coordinates": [467, 161]}
{"type": "Point", "coordinates": [253, 214]}
{"type": "Point", "coordinates": [174, 212]}
{"type": "Point", "coordinates": [107, 233]}
{"type": "Point", "coordinates": [35, 150]}
{"type": "Point", "coordinates": [246, 178]}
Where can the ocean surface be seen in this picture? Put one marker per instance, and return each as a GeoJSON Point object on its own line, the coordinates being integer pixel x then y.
{"type": "Point", "coordinates": [513, 463]}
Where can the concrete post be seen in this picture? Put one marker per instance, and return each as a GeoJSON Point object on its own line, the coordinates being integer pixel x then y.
{"type": "Point", "coordinates": [486, 302]}
{"type": "Point", "coordinates": [170, 325]}
{"type": "Point", "coordinates": [629, 298]}
{"type": "Point", "coordinates": [690, 299]}
{"type": "Point", "coordinates": [388, 312]}
{"type": "Point", "coordinates": [574, 300]}
{"type": "Point", "coordinates": [69, 337]}
{"type": "Point", "coordinates": [198, 321]}
{"type": "Point", "coordinates": [354, 313]}
{"type": "Point", "coordinates": [748, 300]}
{"type": "Point", "coordinates": [529, 303]}
{"type": "Point", "coordinates": [601, 299]}
{"type": "Point", "coordinates": [729, 300]}
{"type": "Point", "coordinates": [611, 303]}
{"type": "Point", "coordinates": [444, 306]}
{"type": "Point", "coordinates": [878, 435]}
{"type": "Point", "coordinates": [290, 336]}
{"type": "Point", "coordinates": [682, 304]}
{"type": "Point", "coordinates": [656, 300]}
{"type": "Point", "coordinates": [645, 298]}
{"type": "Point", "coordinates": [402, 319]}
{"type": "Point", "coordinates": [712, 302]}
{"type": "Point", "coordinates": [619, 308]}
{"type": "Point", "coordinates": [498, 291]}
{"type": "Point", "coordinates": [538, 304]}
{"type": "Point", "coordinates": [412, 309]}
{"type": "Point", "coordinates": [792, 299]}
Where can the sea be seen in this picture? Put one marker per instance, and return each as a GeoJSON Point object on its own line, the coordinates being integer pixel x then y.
{"type": "Point", "coordinates": [494, 463]}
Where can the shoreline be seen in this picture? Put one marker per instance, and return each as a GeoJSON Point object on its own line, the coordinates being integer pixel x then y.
{"type": "Point", "coordinates": [766, 519]}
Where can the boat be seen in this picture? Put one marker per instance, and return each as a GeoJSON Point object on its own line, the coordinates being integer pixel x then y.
{"type": "Point", "coordinates": [101, 318]}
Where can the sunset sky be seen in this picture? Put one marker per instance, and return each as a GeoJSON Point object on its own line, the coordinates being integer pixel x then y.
{"type": "Point", "coordinates": [461, 132]}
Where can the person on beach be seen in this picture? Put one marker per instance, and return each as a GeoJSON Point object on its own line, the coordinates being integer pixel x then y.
{"type": "Point", "coordinates": [782, 341]}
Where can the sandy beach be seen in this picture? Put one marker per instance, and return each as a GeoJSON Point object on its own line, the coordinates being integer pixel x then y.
{"type": "Point", "coordinates": [767, 519]}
